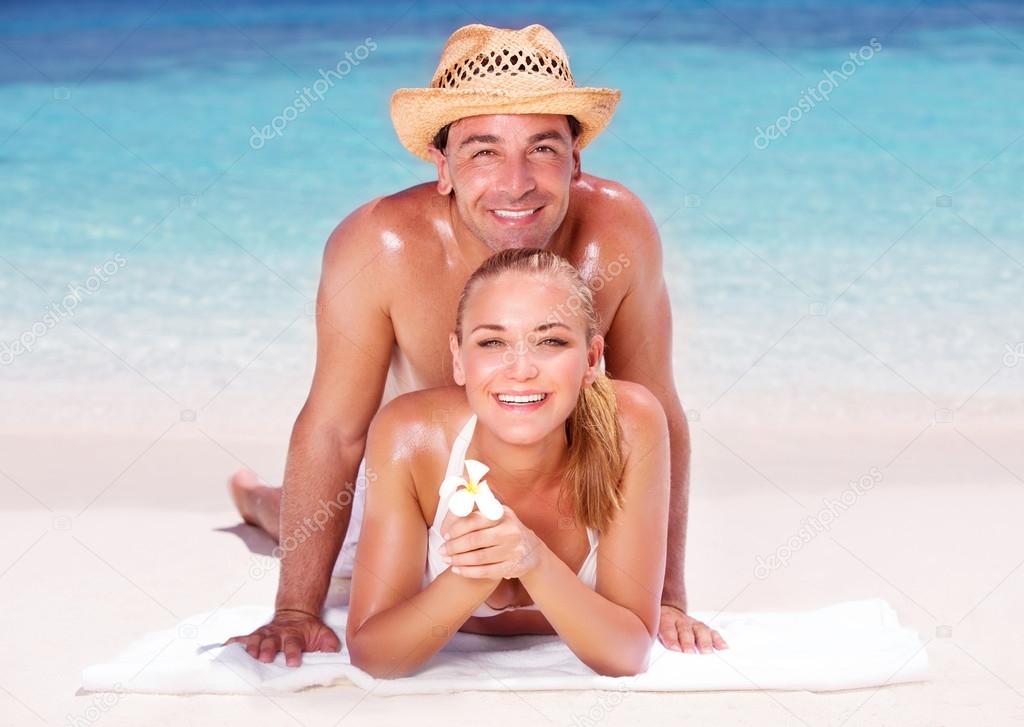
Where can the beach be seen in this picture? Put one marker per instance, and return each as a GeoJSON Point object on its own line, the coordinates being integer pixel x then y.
{"type": "Point", "coordinates": [843, 249]}
{"type": "Point", "coordinates": [937, 538]}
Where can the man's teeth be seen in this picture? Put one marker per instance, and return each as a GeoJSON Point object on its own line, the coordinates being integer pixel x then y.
{"type": "Point", "coordinates": [527, 399]}
{"type": "Point", "coordinates": [514, 214]}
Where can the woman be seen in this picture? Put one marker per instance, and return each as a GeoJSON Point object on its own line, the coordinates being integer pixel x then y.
{"type": "Point", "coordinates": [579, 463]}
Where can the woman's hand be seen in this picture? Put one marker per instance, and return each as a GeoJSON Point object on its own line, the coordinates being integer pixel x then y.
{"type": "Point", "coordinates": [476, 547]}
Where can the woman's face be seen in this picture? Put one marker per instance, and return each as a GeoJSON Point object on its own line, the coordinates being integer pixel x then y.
{"type": "Point", "coordinates": [524, 356]}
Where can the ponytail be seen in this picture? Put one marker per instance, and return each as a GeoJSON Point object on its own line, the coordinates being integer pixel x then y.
{"type": "Point", "coordinates": [593, 479]}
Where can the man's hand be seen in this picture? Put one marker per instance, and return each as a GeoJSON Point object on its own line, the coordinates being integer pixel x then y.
{"type": "Point", "coordinates": [680, 632]}
{"type": "Point", "coordinates": [292, 632]}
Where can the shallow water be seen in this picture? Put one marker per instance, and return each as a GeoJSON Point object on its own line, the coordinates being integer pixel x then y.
{"type": "Point", "coordinates": [875, 248]}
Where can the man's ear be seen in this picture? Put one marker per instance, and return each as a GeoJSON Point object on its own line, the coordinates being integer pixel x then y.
{"type": "Point", "coordinates": [444, 180]}
{"type": "Point", "coordinates": [594, 354]}
{"type": "Point", "coordinates": [457, 373]}
{"type": "Point", "coordinates": [576, 170]}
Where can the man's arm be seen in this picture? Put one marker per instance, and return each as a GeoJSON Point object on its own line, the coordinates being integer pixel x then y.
{"type": "Point", "coordinates": [355, 338]}
{"type": "Point", "coordinates": [638, 347]}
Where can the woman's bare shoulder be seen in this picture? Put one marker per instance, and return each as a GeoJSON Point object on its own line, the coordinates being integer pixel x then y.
{"type": "Point", "coordinates": [420, 422]}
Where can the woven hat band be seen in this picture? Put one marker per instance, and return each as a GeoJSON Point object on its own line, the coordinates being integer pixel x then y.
{"type": "Point", "coordinates": [500, 67]}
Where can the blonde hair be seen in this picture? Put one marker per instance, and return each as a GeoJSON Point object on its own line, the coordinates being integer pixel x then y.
{"type": "Point", "coordinates": [593, 479]}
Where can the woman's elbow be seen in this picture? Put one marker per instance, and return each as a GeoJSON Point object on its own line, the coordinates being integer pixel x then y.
{"type": "Point", "coordinates": [368, 659]}
{"type": "Point", "coordinates": [625, 664]}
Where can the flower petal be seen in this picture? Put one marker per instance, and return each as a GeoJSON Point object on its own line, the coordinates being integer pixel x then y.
{"type": "Point", "coordinates": [476, 470]}
{"type": "Point", "coordinates": [461, 503]}
{"type": "Point", "coordinates": [451, 484]}
{"type": "Point", "coordinates": [488, 504]}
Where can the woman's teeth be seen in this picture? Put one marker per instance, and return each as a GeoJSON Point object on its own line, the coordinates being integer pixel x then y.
{"type": "Point", "coordinates": [526, 399]}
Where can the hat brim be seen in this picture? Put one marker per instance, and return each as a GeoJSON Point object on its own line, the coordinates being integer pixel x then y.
{"type": "Point", "coordinates": [419, 113]}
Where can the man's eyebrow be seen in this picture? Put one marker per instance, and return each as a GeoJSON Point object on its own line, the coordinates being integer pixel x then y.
{"type": "Point", "coordinates": [545, 135]}
{"type": "Point", "coordinates": [479, 139]}
{"type": "Point", "coordinates": [541, 328]}
{"type": "Point", "coordinates": [550, 134]}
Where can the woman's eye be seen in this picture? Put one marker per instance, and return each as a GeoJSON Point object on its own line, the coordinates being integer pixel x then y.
{"type": "Point", "coordinates": [555, 341]}
{"type": "Point", "coordinates": [490, 343]}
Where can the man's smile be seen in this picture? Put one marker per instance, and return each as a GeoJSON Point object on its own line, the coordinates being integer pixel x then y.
{"type": "Point", "coordinates": [516, 216]}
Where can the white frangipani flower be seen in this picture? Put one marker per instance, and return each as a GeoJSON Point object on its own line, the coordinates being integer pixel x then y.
{"type": "Point", "coordinates": [465, 493]}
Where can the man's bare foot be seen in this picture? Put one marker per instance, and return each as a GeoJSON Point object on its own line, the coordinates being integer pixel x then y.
{"type": "Point", "coordinates": [258, 503]}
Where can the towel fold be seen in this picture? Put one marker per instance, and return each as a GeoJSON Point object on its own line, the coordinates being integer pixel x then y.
{"type": "Point", "coordinates": [843, 646]}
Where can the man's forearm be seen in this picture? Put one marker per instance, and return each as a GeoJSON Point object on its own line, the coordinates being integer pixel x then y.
{"type": "Point", "coordinates": [674, 592]}
{"type": "Point", "coordinates": [316, 505]}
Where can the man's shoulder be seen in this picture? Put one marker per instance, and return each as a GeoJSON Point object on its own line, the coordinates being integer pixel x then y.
{"type": "Point", "coordinates": [641, 415]}
{"type": "Point", "coordinates": [612, 214]}
{"type": "Point", "coordinates": [386, 224]}
{"type": "Point", "coordinates": [601, 198]}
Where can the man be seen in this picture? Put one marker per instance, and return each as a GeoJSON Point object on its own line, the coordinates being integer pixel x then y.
{"type": "Point", "coordinates": [504, 124]}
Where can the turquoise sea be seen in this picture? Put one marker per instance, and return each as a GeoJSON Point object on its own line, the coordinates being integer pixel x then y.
{"type": "Point", "coordinates": [838, 188]}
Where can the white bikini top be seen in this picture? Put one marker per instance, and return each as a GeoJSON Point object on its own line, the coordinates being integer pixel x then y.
{"type": "Point", "coordinates": [435, 565]}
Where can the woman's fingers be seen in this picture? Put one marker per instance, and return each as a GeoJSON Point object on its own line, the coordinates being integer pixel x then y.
{"type": "Point", "coordinates": [481, 556]}
{"type": "Point", "coordinates": [461, 540]}
{"type": "Point", "coordinates": [480, 571]}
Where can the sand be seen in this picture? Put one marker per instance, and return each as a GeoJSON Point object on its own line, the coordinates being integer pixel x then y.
{"type": "Point", "coordinates": [108, 537]}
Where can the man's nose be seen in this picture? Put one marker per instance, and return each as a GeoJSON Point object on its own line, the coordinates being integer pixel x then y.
{"type": "Point", "coordinates": [515, 178]}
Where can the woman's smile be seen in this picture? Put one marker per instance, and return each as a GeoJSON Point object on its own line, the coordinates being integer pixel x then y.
{"type": "Point", "coordinates": [521, 402]}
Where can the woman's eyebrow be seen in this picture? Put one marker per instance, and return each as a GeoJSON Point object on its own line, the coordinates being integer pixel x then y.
{"type": "Point", "coordinates": [541, 328]}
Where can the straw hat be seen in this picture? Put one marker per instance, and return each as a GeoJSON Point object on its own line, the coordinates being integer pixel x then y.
{"type": "Point", "coordinates": [485, 70]}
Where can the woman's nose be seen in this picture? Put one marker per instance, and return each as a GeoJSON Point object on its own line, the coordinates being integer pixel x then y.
{"type": "Point", "coordinates": [519, 362]}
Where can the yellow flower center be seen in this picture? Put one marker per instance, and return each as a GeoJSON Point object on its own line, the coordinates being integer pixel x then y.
{"type": "Point", "coordinates": [472, 487]}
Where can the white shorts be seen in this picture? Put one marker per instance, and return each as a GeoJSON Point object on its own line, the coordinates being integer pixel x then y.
{"type": "Point", "coordinates": [347, 556]}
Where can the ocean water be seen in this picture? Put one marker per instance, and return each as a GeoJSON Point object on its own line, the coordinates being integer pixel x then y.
{"type": "Point", "coordinates": [837, 185]}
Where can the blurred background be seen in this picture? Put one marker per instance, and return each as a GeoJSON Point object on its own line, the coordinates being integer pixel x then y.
{"type": "Point", "coordinates": [870, 246]}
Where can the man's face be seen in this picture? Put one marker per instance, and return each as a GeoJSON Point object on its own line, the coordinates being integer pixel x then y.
{"type": "Point", "coordinates": [511, 176]}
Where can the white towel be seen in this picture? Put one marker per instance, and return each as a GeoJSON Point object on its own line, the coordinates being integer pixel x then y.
{"type": "Point", "coordinates": [844, 646]}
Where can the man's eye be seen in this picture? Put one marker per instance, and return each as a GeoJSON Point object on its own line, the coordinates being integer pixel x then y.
{"type": "Point", "coordinates": [544, 148]}
{"type": "Point", "coordinates": [482, 152]}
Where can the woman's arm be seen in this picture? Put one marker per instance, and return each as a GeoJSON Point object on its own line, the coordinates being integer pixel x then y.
{"type": "Point", "coordinates": [611, 629]}
{"type": "Point", "coordinates": [394, 627]}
